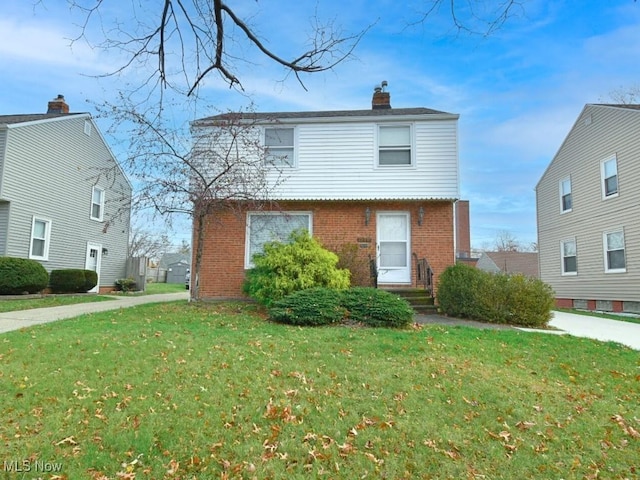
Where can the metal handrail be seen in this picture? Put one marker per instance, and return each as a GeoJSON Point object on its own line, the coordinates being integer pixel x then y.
{"type": "Point", "coordinates": [424, 274]}
{"type": "Point", "coordinates": [373, 271]}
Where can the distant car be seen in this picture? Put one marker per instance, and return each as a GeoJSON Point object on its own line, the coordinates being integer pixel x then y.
{"type": "Point", "coordinates": [187, 279]}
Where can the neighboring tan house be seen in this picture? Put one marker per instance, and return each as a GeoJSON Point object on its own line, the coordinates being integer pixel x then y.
{"type": "Point", "coordinates": [588, 207]}
{"type": "Point", "coordinates": [525, 263]}
{"type": "Point", "coordinates": [64, 200]}
{"type": "Point", "coordinates": [384, 180]}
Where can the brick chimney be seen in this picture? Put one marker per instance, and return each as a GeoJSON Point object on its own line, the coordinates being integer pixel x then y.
{"type": "Point", "coordinates": [381, 98]}
{"type": "Point", "coordinates": [58, 105]}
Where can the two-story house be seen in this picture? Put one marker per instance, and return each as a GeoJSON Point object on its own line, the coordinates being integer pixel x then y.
{"type": "Point", "coordinates": [588, 208]}
{"type": "Point", "coordinates": [383, 179]}
{"type": "Point", "coordinates": [64, 200]}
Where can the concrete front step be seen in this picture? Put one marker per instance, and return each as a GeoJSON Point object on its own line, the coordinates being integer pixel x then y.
{"type": "Point", "coordinates": [418, 298]}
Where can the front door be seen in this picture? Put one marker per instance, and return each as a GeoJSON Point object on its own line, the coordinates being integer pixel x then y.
{"type": "Point", "coordinates": [393, 247]}
{"type": "Point", "coordinates": [94, 254]}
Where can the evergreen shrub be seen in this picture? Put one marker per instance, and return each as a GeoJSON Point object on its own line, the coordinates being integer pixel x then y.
{"type": "Point", "coordinates": [22, 275]}
{"type": "Point", "coordinates": [72, 280]}
{"type": "Point", "coordinates": [377, 308]}
{"type": "Point", "coordinates": [310, 307]}
{"type": "Point", "coordinates": [300, 264]}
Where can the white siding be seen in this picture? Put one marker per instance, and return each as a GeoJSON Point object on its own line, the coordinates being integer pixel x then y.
{"type": "Point", "coordinates": [337, 161]}
{"type": "Point", "coordinates": [49, 170]}
{"type": "Point", "coordinates": [599, 132]}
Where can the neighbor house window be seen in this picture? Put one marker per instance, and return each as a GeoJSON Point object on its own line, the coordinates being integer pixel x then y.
{"type": "Point", "coordinates": [609, 172]}
{"type": "Point", "coordinates": [97, 203]}
{"type": "Point", "coordinates": [279, 143]}
{"type": "Point", "coordinates": [614, 260]}
{"type": "Point", "coordinates": [268, 227]}
{"type": "Point", "coordinates": [40, 234]}
{"type": "Point", "coordinates": [566, 203]}
{"type": "Point", "coordinates": [569, 257]}
{"type": "Point", "coordinates": [394, 145]}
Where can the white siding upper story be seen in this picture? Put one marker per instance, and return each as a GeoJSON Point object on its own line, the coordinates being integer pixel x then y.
{"type": "Point", "coordinates": [582, 240]}
{"type": "Point", "coordinates": [50, 169]}
{"type": "Point", "coordinates": [336, 158]}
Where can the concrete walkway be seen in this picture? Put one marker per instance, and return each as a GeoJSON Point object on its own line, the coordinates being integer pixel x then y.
{"type": "Point", "coordinates": [26, 318]}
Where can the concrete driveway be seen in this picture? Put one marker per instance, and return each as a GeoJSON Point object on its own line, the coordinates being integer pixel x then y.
{"type": "Point", "coordinates": [626, 333]}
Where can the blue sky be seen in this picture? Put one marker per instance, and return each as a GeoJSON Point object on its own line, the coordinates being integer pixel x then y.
{"type": "Point", "coordinates": [518, 91]}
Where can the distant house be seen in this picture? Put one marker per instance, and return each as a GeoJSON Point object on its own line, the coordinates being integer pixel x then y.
{"type": "Point", "coordinates": [588, 207]}
{"type": "Point", "coordinates": [384, 180]}
{"type": "Point", "coordinates": [64, 200]}
{"type": "Point", "coordinates": [525, 263]}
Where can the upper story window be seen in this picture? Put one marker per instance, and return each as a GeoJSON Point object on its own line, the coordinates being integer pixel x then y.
{"type": "Point", "coordinates": [569, 257]}
{"type": "Point", "coordinates": [394, 145]}
{"type": "Point", "coordinates": [566, 201]}
{"type": "Point", "coordinates": [40, 235]}
{"type": "Point", "coordinates": [609, 173]}
{"type": "Point", "coordinates": [269, 227]}
{"type": "Point", "coordinates": [280, 144]}
{"type": "Point", "coordinates": [614, 257]}
{"type": "Point", "coordinates": [97, 203]}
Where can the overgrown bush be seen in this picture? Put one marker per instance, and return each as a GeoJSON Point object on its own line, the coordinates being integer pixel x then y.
{"type": "Point", "coordinates": [21, 275]}
{"type": "Point", "coordinates": [377, 308]}
{"type": "Point", "coordinates": [325, 306]}
{"type": "Point", "coordinates": [72, 280]}
{"type": "Point", "coordinates": [352, 257]}
{"type": "Point", "coordinates": [457, 288]}
{"type": "Point", "coordinates": [126, 285]}
{"type": "Point", "coordinates": [300, 264]}
{"type": "Point", "coordinates": [465, 291]}
{"type": "Point", "coordinates": [312, 307]}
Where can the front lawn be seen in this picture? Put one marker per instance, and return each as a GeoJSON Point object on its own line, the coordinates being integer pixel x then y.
{"type": "Point", "coordinates": [13, 304]}
{"type": "Point", "coordinates": [197, 391]}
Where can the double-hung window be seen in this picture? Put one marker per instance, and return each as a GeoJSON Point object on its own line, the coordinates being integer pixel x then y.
{"type": "Point", "coordinates": [566, 201]}
{"type": "Point", "coordinates": [614, 257]}
{"type": "Point", "coordinates": [609, 173]}
{"type": "Point", "coordinates": [394, 145]}
{"type": "Point", "coordinates": [97, 204]}
{"type": "Point", "coordinates": [569, 257]}
{"type": "Point", "coordinates": [40, 236]}
{"type": "Point", "coordinates": [280, 145]}
{"type": "Point", "coordinates": [268, 227]}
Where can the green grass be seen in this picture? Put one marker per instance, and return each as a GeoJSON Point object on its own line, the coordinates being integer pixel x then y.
{"type": "Point", "coordinates": [611, 316]}
{"type": "Point", "coordinates": [198, 391]}
{"type": "Point", "coordinates": [154, 288]}
{"type": "Point", "coordinates": [47, 301]}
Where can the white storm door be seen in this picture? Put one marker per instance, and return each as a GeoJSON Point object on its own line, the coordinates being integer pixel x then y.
{"type": "Point", "coordinates": [394, 265]}
{"type": "Point", "coordinates": [94, 257]}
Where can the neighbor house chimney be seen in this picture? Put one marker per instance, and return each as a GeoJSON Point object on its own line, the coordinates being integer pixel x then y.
{"type": "Point", "coordinates": [58, 105]}
{"type": "Point", "coordinates": [381, 98]}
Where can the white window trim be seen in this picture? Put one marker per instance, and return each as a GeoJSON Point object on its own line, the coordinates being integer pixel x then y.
{"type": "Point", "coordinates": [562, 210]}
{"type": "Point", "coordinates": [294, 163]}
{"type": "Point", "coordinates": [47, 238]}
{"type": "Point", "coordinates": [562, 257]}
{"type": "Point", "coordinates": [93, 190]}
{"type": "Point", "coordinates": [605, 250]}
{"type": "Point", "coordinates": [412, 145]}
{"type": "Point", "coordinates": [87, 128]}
{"type": "Point", "coordinates": [602, 179]}
{"type": "Point", "coordinates": [247, 250]}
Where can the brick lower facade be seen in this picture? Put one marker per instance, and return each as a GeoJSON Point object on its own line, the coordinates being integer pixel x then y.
{"type": "Point", "coordinates": [334, 224]}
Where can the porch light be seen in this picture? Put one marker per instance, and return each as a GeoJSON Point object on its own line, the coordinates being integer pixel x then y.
{"type": "Point", "coordinates": [420, 216]}
{"type": "Point", "coordinates": [367, 216]}
{"type": "Point", "coordinates": [105, 252]}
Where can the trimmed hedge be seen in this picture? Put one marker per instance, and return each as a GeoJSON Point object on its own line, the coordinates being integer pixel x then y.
{"type": "Point", "coordinates": [300, 264]}
{"type": "Point", "coordinates": [465, 291]}
{"type": "Point", "coordinates": [325, 306]}
{"type": "Point", "coordinates": [315, 306]}
{"type": "Point", "coordinates": [377, 308]}
{"type": "Point", "coordinates": [21, 275]}
{"type": "Point", "coordinates": [72, 280]}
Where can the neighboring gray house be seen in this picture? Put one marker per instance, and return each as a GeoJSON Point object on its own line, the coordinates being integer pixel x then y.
{"type": "Point", "coordinates": [588, 207]}
{"type": "Point", "coordinates": [525, 263]}
{"type": "Point", "coordinates": [64, 200]}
